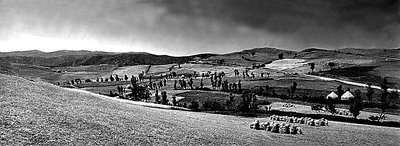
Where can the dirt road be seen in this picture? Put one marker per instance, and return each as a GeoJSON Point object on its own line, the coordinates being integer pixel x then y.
{"type": "Point", "coordinates": [349, 82]}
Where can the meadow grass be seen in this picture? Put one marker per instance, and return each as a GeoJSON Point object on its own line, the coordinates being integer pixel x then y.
{"type": "Point", "coordinates": [38, 113]}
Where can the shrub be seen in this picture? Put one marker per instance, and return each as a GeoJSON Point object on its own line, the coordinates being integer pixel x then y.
{"type": "Point", "coordinates": [213, 105]}
{"type": "Point", "coordinates": [174, 102]}
{"type": "Point", "coordinates": [194, 105]}
{"type": "Point", "coordinates": [207, 105]}
{"type": "Point", "coordinates": [330, 106]}
{"type": "Point", "coordinates": [241, 106]}
{"type": "Point", "coordinates": [229, 105]}
{"type": "Point", "coordinates": [280, 56]}
{"type": "Point", "coordinates": [164, 99]}
{"type": "Point", "coordinates": [356, 104]}
{"type": "Point", "coordinates": [184, 105]}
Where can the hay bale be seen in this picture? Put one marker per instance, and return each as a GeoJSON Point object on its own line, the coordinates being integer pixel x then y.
{"type": "Point", "coordinates": [269, 127]}
{"type": "Point", "coordinates": [312, 122]}
{"type": "Point", "coordinates": [299, 130]}
{"type": "Point", "coordinates": [255, 125]}
{"type": "Point", "coordinates": [303, 121]}
{"type": "Point", "coordinates": [252, 126]}
{"type": "Point", "coordinates": [322, 123]}
{"type": "Point", "coordinates": [286, 129]}
{"type": "Point", "coordinates": [282, 128]}
{"type": "Point", "coordinates": [264, 125]}
{"type": "Point", "coordinates": [273, 117]}
{"type": "Point", "coordinates": [293, 129]}
{"type": "Point", "coordinates": [291, 120]}
{"type": "Point", "coordinates": [275, 128]}
{"type": "Point", "coordinates": [318, 122]}
{"type": "Point", "coordinates": [284, 118]}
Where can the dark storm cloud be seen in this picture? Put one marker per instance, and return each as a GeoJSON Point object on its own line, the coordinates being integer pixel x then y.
{"type": "Point", "coordinates": [182, 27]}
{"type": "Point", "coordinates": [327, 23]}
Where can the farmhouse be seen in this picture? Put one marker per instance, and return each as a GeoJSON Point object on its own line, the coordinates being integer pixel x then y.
{"type": "Point", "coordinates": [346, 96]}
{"type": "Point", "coordinates": [332, 95]}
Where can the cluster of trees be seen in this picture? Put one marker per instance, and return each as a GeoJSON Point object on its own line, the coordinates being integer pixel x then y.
{"type": "Point", "coordinates": [246, 103]}
{"type": "Point", "coordinates": [387, 99]}
{"type": "Point", "coordinates": [78, 81]}
{"type": "Point", "coordinates": [163, 99]}
{"type": "Point", "coordinates": [112, 78]}
{"type": "Point", "coordinates": [312, 65]}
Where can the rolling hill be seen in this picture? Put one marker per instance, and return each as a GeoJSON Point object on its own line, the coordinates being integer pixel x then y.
{"type": "Point", "coordinates": [64, 58]}
{"type": "Point", "coordinates": [38, 113]}
{"type": "Point", "coordinates": [378, 63]}
{"type": "Point", "coordinates": [38, 53]}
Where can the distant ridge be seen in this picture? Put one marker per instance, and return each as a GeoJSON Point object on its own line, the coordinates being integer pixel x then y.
{"type": "Point", "coordinates": [313, 50]}
{"type": "Point", "coordinates": [244, 57]}
{"type": "Point", "coordinates": [59, 53]}
{"type": "Point", "coordinates": [84, 57]}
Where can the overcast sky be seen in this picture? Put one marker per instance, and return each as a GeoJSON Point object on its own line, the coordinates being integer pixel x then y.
{"type": "Point", "coordinates": [182, 27]}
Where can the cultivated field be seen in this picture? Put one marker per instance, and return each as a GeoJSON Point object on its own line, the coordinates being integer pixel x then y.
{"type": "Point", "coordinates": [37, 113]}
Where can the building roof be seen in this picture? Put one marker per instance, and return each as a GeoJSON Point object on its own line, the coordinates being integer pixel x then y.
{"type": "Point", "coordinates": [332, 95]}
{"type": "Point", "coordinates": [346, 96]}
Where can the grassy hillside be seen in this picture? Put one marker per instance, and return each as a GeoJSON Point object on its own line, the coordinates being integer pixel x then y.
{"type": "Point", "coordinates": [38, 113]}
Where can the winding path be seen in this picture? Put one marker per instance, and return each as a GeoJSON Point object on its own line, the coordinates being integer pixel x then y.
{"type": "Point", "coordinates": [349, 82]}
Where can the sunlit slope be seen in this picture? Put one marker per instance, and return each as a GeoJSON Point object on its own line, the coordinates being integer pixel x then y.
{"type": "Point", "coordinates": [39, 113]}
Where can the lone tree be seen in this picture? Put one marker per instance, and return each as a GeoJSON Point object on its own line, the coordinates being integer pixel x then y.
{"type": "Point", "coordinates": [331, 64]}
{"type": "Point", "coordinates": [164, 99]}
{"type": "Point", "coordinates": [126, 77]}
{"type": "Point", "coordinates": [174, 102]}
{"type": "Point", "coordinates": [387, 99]}
{"type": "Point", "coordinates": [384, 98]}
{"type": "Point", "coordinates": [340, 91]}
{"type": "Point", "coordinates": [157, 99]}
{"type": "Point", "coordinates": [312, 66]}
{"type": "Point", "coordinates": [111, 78]}
{"type": "Point", "coordinates": [280, 56]}
{"type": "Point", "coordinates": [116, 78]}
{"type": "Point", "coordinates": [356, 104]}
{"type": "Point", "coordinates": [369, 93]}
{"type": "Point", "coordinates": [293, 88]}
{"type": "Point", "coordinates": [330, 106]}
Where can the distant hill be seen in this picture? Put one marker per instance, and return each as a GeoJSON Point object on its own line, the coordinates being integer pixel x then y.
{"type": "Point", "coordinates": [60, 53]}
{"type": "Point", "coordinates": [246, 58]}
{"type": "Point", "coordinates": [386, 62]}
{"type": "Point", "coordinates": [313, 50]}
{"type": "Point", "coordinates": [383, 53]}
{"type": "Point", "coordinates": [77, 58]}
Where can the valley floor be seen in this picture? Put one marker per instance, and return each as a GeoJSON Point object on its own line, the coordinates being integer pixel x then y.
{"type": "Point", "coordinates": [37, 113]}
